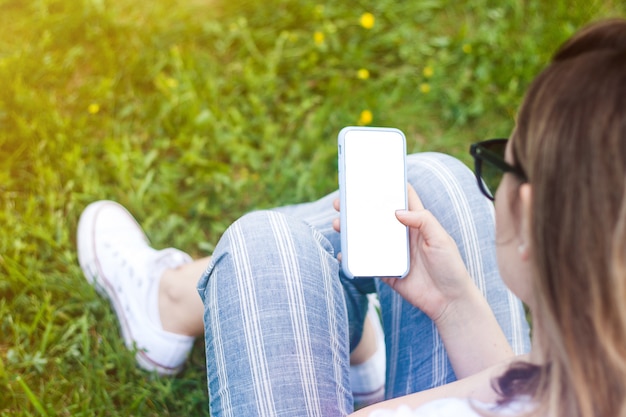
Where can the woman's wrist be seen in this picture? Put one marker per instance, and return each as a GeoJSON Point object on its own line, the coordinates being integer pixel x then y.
{"type": "Point", "coordinates": [455, 306]}
{"type": "Point", "coordinates": [469, 318]}
{"type": "Point", "coordinates": [448, 304]}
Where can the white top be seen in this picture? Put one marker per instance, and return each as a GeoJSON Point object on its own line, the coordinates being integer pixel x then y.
{"type": "Point", "coordinates": [451, 407]}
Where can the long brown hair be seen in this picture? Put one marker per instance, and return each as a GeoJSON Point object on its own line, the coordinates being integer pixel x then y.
{"type": "Point", "coordinates": [570, 139]}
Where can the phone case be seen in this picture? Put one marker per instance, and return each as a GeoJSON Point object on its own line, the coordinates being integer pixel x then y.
{"type": "Point", "coordinates": [377, 244]}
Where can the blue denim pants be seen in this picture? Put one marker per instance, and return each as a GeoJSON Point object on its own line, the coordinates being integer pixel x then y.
{"type": "Point", "coordinates": [281, 319]}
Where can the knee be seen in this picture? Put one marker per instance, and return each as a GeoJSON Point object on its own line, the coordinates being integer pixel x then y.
{"type": "Point", "coordinates": [265, 230]}
{"type": "Point", "coordinates": [256, 225]}
{"type": "Point", "coordinates": [265, 244]}
{"type": "Point", "coordinates": [247, 236]}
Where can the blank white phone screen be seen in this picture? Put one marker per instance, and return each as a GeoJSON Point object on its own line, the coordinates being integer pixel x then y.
{"type": "Point", "coordinates": [375, 187]}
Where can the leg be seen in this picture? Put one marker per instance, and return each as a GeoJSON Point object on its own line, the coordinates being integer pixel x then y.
{"type": "Point", "coordinates": [367, 344]}
{"type": "Point", "coordinates": [154, 292]}
{"type": "Point", "coordinates": [319, 215]}
{"type": "Point", "coordinates": [417, 358]}
{"type": "Point", "coordinates": [180, 307]}
{"type": "Point", "coordinates": [275, 321]}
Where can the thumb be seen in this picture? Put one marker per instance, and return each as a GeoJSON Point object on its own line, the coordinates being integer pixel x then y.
{"type": "Point", "coordinates": [422, 220]}
{"type": "Point", "coordinates": [411, 218]}
{"type": "Point", "coordinates": [415, 203]}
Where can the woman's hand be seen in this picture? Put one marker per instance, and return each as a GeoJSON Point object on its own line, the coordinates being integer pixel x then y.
{"type": "Point", "coordinates": [438, 284]}
{"type": "Point", "coordinates": [437, 276]}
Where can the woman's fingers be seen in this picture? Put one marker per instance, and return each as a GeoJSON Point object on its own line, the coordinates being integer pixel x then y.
{"type": "Point", "coordinates": [336, 222]}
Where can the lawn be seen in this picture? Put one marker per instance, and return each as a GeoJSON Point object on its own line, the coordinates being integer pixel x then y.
{"type": "Point", "coordinates": [192, 113]}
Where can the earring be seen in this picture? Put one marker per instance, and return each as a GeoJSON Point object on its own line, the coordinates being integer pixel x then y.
{"type": "Point", "coordinates": [521, 248]}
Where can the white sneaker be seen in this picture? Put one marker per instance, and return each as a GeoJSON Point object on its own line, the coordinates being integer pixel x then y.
{"type": "Point", "coordinates": [117, 260]}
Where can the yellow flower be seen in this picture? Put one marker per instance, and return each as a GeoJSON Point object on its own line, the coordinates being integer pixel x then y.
{"type": "Point", "coordinates": [366, 117]}
{"type": "Point", "coordinates": [93, 108]}
{"type": "Point", "coordinates": [425, 88]}
{"type": "Point", "coordinates": [467, 48]}
{"type": "Point", "coordinates": [363, 74]}
{"type": "Point", "coordinates": [318, 38]}
{"type": "Point", "coordinates": [428, 71]}
{"type": "Point", "coordinates": [367, 20]}
{"type": "Point", "coordinates": [171, 82]}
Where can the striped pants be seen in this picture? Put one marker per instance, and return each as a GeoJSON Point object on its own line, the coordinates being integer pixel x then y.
{"type": "Point", "coordinates": [281, 320]}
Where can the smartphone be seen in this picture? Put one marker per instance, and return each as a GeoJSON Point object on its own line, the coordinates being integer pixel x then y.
{"type": "Point", "coordinates": [372, 186]}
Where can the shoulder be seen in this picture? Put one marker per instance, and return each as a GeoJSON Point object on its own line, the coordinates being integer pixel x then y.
{"type": "Point", "coordinates": [449, 407]}
{"type": "Point", "coordinates": [440, 408]}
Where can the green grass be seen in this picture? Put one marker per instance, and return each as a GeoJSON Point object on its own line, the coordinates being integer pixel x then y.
{"type": "Point", "coordinates": [191, 113]}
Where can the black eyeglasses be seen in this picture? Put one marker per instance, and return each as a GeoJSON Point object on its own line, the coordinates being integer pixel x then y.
{"type": "Point", "coordinates": [490, 174]}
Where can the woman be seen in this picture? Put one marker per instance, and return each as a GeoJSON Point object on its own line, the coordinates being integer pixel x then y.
{"type": "Point", "coordinates": [561, 216]}
{"type": "Point", "coordinates": [561, 231]}
{"type": "Point", "coordinates": [278, 311]}
{"type": "Point", "coordinates": [571, 142]}
{"type": "Point", "coordinates": [280, 320]}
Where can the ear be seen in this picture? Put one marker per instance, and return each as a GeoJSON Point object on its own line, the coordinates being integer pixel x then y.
{"type": "Point", "coordinates": [525, 233]}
